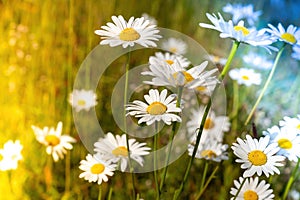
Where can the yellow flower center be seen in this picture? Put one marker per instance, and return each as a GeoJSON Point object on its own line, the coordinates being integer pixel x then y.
{"type": "Point", "coordinates": [284, 143]}
{"type": "Point", "coordinates": [156, 108]}
{"type": "Point", "coordinates": [250, 195]}
{"type": "Point", "coordinates": [187, 76]}
{"type": "Point", "coordinates": [129, 34]}
{"type": "Point", "coordinates": [201, 88]}
{"type": "Point", "coordinates": [170, 62]}
{"type": "Point", "coordinates": [173, 50]}
{"type": "Point", "coordinates": [289, 37]}
{"type": "Point", "coordinates": [1, 157]}
{"type": "Point", "coordinates": [209, 123]}
{"type": "Point", "coordinates": [97, 168]}
{"type": "Point", "coordinates": [81, 102]}
{"type": "Point", "coordinates": [257, 157]}
{"type": "Point", "coordinates": [244, 30]}
{"type": "Point", "coordinates": [208, 153]}
{"type": "Point", "coordinates": [298, 126]}
{"type": "Point", "coordinates": [52, 140]}
{"type": "Point", "coordinates": [120, 151]}
{"type": "Point", "coordinates": [216, 59]}
{"type": "Point", "coordinates": [246, 78]}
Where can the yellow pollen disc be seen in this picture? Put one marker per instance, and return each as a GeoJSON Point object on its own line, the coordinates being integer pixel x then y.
{"type": "Point", "coordinates": [201, 88]}
{"type": "Point", "coordinates": [289, 37]}
{"type": "Point", "coordinates": [52, 140]}
{"type": "Point", "coordinates": [250, 195]}
{"type": "Point", "coordinates": [170, 62]}
{"type": "Point", "coordinates": [208, 153]}
{"type": "Point", "coordinates": [120, 151]}
{"type": "Point", "coordinates": [81, 102]}
{"type": "Point", "coordinates": [97, 168]}
{"type": "Point", "coordinates": [156, 108]}
{"type": "Point", "coordinates": [246, 78]}
{"type": "Point", "coordinates": [187, 76]}
{"type": "Point", "coordinates": [244, 30]}
{"type": "Point", "coordinates": [129, 34]}
{"type": "Point", "coordinates": [173, 50]}
{"type": "Point", "coordinates": [209, 123]}
{"type": "Point", "coordinates": [298, 126]}
{"type": "Point", "coordinates": [216, 59]}
{"type": "Point", "coordinates": [285, 143]}
{"type": "Point", "coordinates": [257, 157]}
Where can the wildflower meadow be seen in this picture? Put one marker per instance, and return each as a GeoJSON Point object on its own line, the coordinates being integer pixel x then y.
{"type": "Point", "coordinates": [147, 100]}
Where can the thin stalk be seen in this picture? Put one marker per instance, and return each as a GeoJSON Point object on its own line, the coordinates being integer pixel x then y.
{"type": "Point", "coordinates": [100, 192]}
{"type": "Point", "coordinates": [177, 193]}
{"type": "Point", "coordinates": [69, 90]}
{"type": "Point", "coordinates": [125, 125]}
{"type": "Point", "coordinates": [204, 175]}
{"type": "Point", "coordinates": [237, 193]}
{"type": "Point", "coordinates": [221, 76]}
{"type": "Point", "coordinates": [207, 182]}
{"type": "Point", "coordinates": [110, 193]}
{"type": "Point", "coordinates": [291, 180]}
{"type": "Point", "coordinates": [266, 84]}
{"type": "Point", "coordinates": [235, 106]}
{"type": "Point", "coordinates": [155, 161]}
{"type": "Point", "coordinates": [232, 53]}
{"type": "Point", "coordinates": [178, 102]}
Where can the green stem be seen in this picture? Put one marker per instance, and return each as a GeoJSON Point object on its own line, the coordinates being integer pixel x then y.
{"type": "Point", "coordinates": [235, 107]}
{"type": "Point", "coordinates": [222, 75]}
{"type": "Point", "coordinates": [69, 90]}
{"type": "Point", "coordinates": [125, 124]}
{"type": "Point", "coordinates": [204, 175]}
{"type": "Point", "coordinates": [155, 161]}
{"type": "Point", "coordinates": [291, 180]}
{"type": "Point", "coordinates": [207, 182]}
{"type": "Point", "coordinates": [233, 51]}
{"type": "Point", "coordinates": [178, 102]}
{"type": "Point", "coordinates": [177, 192]}
{"type": "Point", "coordinates": [237, 193]}
{"type": "Point", "coordinates": [100, 192]}
{"type": "Point", "coordinates": [110, 193]}
{"type": "Point", "coordinates": [266, 84]}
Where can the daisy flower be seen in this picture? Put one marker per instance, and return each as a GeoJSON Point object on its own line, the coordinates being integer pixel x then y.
{"type": "Point", "coordinates": [152, 20]}
{"type": "Point", "coordinates": [214, 126]}
{"type": "Point", "coordinates": [217, 59]}
{"type": "Point", "coordinates": [114, 149]}
{"type": "Point", "coordinates": [287, 140]}
{"type": "Point", "coordinates": [296, 52]}
{"type": "Point", "coordinates": [257, 156]}
{"type": "Point", "coordinates": [82, 99]}
{"type": "Point", "coordinates": [245, 76]}
{"type": "Point", "coordinates": [291, 123]}
{"type": "Point", "coordinates": [56, 144]}
{"type": "Point", "coordinates": [239, 32]}
{"type": "Point", "coordinates": [239, 11]}
{"type": "Point", "coordinates": [207, 89]}
{"type": "Point", "coordinates": [10, 155]}
{"type": "Point", "coordinates": [258, 61]}
{"type": "Point", "coordinates": [168, 58]}
{"type": "Point", "coordinates": [291, 35]}
{"type": "Point", "coordinates": [135, 31]}
{"type": "Point", "coordinates": [95, 169]}
{"type": "Point", "coordinates": [178, 76]}
{"type": "Point", "coordinates": [159, 107]}
{"type": "Point", "coordinates": [175, 45]}
{"type": "Point", "coordinates": [210, 150]}
{"type": "Point", "coordinates": [252, 189]}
